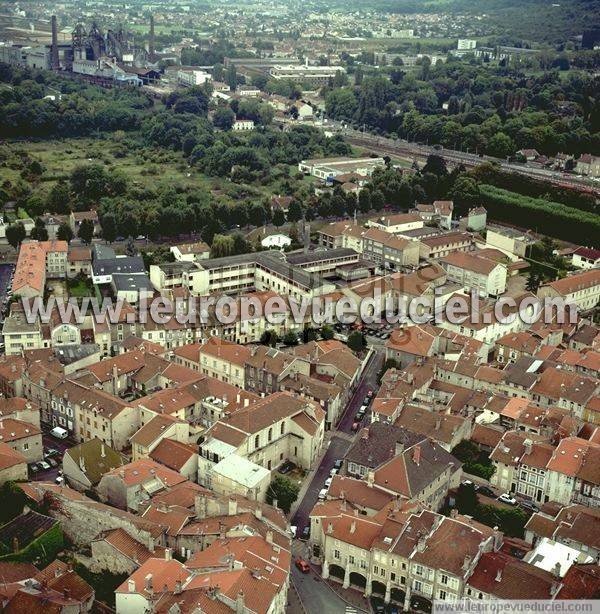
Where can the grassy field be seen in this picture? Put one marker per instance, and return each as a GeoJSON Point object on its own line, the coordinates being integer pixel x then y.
{"type": "Point", "coordinates": [148, 168]}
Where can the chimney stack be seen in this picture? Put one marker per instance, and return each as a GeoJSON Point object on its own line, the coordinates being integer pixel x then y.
{"type": "Point", "coordinates": [148, 583]}
{"type": "Point", "coordinates": [417, 455]}
{"type": "Point", "coordinates": [131, 586]}
{"type": "Point", "coordinates": [55, 63]}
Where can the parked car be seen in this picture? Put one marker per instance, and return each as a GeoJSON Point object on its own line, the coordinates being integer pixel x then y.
{"type": "Point", "coordinates": [286, 467]}
{"type": "Point", "coordinates": [51, 462]}
{"type": "Point", "coordinates": [530, 506]}
{"type": "Point", "coordinates": [60, 480]}
{"type": "Point", "coordinates": [322, 494]}
{"type": "Point", "coordinates": [338, 464]}
{"type": "Point", "coordinates": [366, 401]}
{"type": "Point", "coordinates": [333, 472]}
{"type": "Point", "coordinates": [51, 452]}
{"type": "Point", "coordinates": [328, 482]}
{"type": "Point", "coordinates": [33, 467]}
{"type": "Point", "coordinates": [486, 491]}
{"type": "Point", "coordinates": [355, 426]}
{"type": "Point", "coordinates": [506, 498]}
{"type": "Point", "coordinates": [302, 565]}
{"type": "Point", "coordinates": [305, 532]}
{"type": "Point", "coordinates": [43, 465]}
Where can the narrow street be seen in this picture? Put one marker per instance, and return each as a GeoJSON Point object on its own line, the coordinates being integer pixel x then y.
{"type": "Point", "coordinates": [313, 593]}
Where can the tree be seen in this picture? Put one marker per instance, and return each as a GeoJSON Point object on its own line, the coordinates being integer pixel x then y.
{"type": "Point", "coordinates": [278, 218]}
{"type": "Point", "coordinates": [309, 333]}
{"type": "Point", "coordinates": [59, 198]}
{"type": "Point", "coordinates": [109, 227]}
{"type": "Point", "coordinates": [327, 332]}
{"type": "Point", "coordinates": [377, 200]}
{"type": "Point", "coordinates": [364, 201]}
{"type": "Point", "coordinates": [356, 341]}
{"type": "Point", "coordinates": [466, 499]}
{"type": "Point", "coordinates": [39, 231]}
{"type": "Point", "coordinates": [224, 118]}
{"type": "Point", "coordinates": [435, 164]}
{"type": "Point", "coordinates": [64, 233]}
{"type": "Point", "coordinates": [282, 491]}
{"type": "Point", "coordinates": [86, 231]}
{"type": "Point", "coordinates": [15, 233]}
{"type": "Point", "coordinates": [500, 145]}
{"type": "Point", "coordinates": [232, 77]}
{"type": "Point", "coordinates": [222, 246]}
{"type": "Point", "coordinates": [294, 213]}
{"type": "Point", "coordinates": [290, 338]}
{"type": "Point", "coordinates": [269, 337]}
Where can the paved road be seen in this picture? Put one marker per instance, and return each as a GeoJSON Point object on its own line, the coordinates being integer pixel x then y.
{"type": "Point", "coordinates": [337, 448]}
{"type": "Point", "coordinates": [313, 594]}
{"type": "Point", "coordinates": [368, 382]}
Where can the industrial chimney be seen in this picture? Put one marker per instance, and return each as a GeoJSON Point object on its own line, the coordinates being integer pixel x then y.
{"type": "Point", "coordinates": [55, 63]}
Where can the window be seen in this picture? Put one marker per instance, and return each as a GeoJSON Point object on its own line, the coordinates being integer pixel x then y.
{"type": "Point", "coordinates": [336, 554]}
{"type": "Point", "coordinates": [270, 435]}
{"type": "Point", "coordinates": [375, 569]}
{"type": "Point", "coordinates": [443, 595]}
{"type": "Point", "coordinates": [418, 586]}
{"type": "Point", "coordinates": [444, 579]}
{"type": "Point", "coordinates": [25, 446]}
{"type": "Point", "coordinates": [351, 559]}
{"type": "Point", "coordinates": [256, 441]}
{"type": "Point", "coordinates": [282, 429]}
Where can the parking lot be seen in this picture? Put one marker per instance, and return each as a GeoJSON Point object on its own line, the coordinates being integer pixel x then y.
{"type": "Point", "coordinates": [49, 468]}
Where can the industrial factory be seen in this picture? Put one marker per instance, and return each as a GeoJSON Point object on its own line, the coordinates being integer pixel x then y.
{"type": "Point", "coordinates": [107, 58]}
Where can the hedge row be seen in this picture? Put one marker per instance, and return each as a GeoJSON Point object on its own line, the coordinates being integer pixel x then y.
{"type": "Point", "coordinates": [550, 218]}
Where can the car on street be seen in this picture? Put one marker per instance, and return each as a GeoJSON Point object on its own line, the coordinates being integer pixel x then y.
{"type": "Point", "coordinates": [333, 472]}
{"type": "Point", "coordinates": [338, 464]}
{"type": "Point", "coordinates": [302, 565]}
{"type": "Point", "coordinates": [328, 482]}
{"type": "Point", "coordinates": [33, 467]}
{"type": "Point", "coordinates": [355, 426]}
{"type": "Point", "coordinates": [51, 452]}
{"type": "Point", "coordinates": [486, 491]}
{"type": "Point", "coordinates": [60, 480]}
{"type": "Point", "coordinates": [51, 462]}
{"type": "Point", "coordinates": [529, 506]}
{"type": "Point", "coordinates": [305, 532]}
{"type": "Point", "coordinates": [506, 498]}
{"type": "Point", "coordinates": [43, 465]}
{"type": "Point", "coordinates": [322, 494]}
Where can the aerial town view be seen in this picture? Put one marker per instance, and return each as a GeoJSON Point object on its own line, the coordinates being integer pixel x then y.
{"type": "Point", "coordinates": [299, 306]}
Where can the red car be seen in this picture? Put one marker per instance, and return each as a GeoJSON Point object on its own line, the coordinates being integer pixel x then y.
{"type": "Point", "coordinates": [302, 565]}
{"type": "Point", "coordinates": [355, 426]}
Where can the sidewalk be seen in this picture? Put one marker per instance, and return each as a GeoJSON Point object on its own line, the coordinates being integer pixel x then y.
{"type": "Point", "coordinates": [351, 596]}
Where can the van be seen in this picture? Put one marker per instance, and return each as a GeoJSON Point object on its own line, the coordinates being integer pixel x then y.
{"type": "Point", "coordinates": [59, 432]}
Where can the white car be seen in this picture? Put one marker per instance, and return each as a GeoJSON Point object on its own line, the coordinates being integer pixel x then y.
{"type": "Point", "coordinates": [506, 498]}
{"type": "Point", "coordinates": [328, 482]}
{"type": "Point", "coordinates": [44, 465]}
{"type": "Point", "coordinates": [333, 472]}
{"type": "Point", "coordinates": [322, 494]}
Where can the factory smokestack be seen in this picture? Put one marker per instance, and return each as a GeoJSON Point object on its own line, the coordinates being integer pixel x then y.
{"type": "Point", "coordinates": [151, 41]}
{"type": "Point", "coordinates": [54, 51]}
